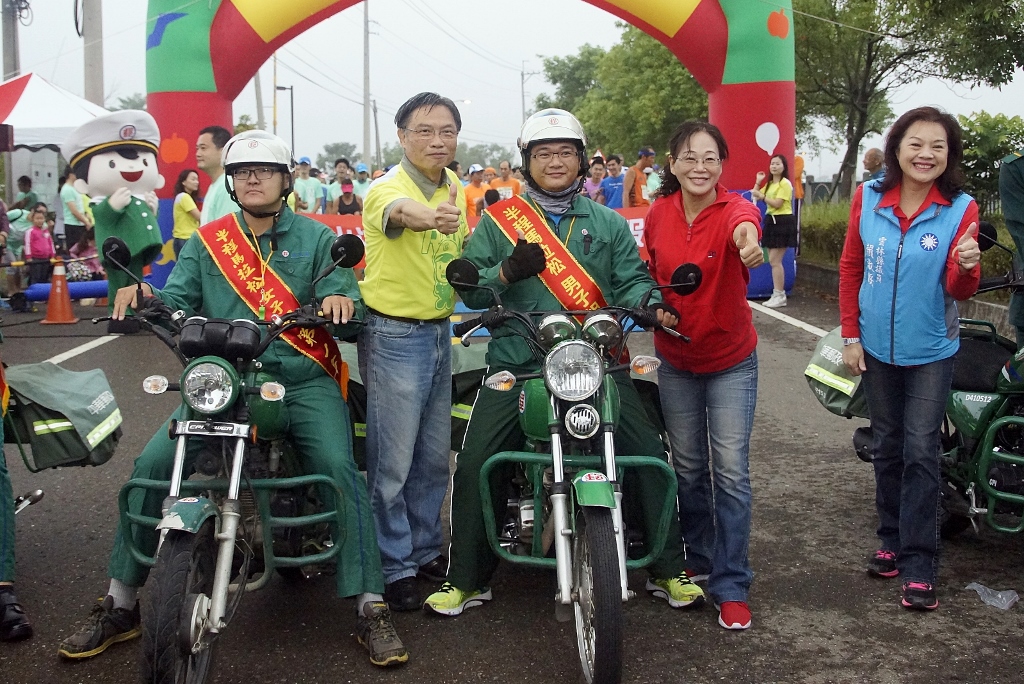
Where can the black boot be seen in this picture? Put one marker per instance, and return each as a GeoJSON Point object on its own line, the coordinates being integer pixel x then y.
{"type": "Point", "coordinates": [14, 624]}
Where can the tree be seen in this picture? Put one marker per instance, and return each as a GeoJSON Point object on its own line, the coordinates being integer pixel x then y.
{"type": "Point", "coordinates": [987, 140]}
{"type": "Point", "coordinates": [852, 54]}
{"type": "Point", "coordinates": [631, 96]}
{"type": "Point", "coordinates": [337, 150]}
{"type": "Point", "coordinates": [133, 101]}
{"type": "Point", "coordinates": [245, 123]}
{"type": "Point", "coordinates": [573, 77]}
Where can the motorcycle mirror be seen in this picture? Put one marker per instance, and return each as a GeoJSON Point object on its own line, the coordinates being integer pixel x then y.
{"type": "Point", "coordinates": [462, 272]}
{"type": "Point", "coordinates": [116, 251]}
{"type": "Point", "coordinates": [347, 250]}
{"type": "Point", "coordinates": [686, 279]}
{"type": "Point", "coordinates": [987, 237]}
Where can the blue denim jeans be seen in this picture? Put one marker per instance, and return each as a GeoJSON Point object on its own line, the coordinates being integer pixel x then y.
{"type": "Point", "coordinates": [407, 371]}
{"type": "Point", "coordinates": [709, 417]}
{"type": "Point", "coordinates": [907, 405]}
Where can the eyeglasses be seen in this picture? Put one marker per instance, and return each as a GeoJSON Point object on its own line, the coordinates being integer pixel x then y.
{"type": "Point", "coordinates": [545, 157]}
{"type": "Point", "coordinates": [427, 133]}
{"type": "Point", "coordinates": [261, 173]}
{"type": "Point", "coordinates": [708, 162]}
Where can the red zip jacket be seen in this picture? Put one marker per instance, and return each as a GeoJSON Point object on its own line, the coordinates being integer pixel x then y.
{"type": "Point", "coordinates": [716, 317]}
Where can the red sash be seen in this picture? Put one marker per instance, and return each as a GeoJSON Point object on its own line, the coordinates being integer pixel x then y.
{"type": "Point", "coordinates": [5, 392]}
{"type": "Point", "coordinates": [564, 277]}
{"type": "Point", "coordinates": [241, 266]}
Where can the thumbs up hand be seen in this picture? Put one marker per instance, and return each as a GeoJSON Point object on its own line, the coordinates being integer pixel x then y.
{"type": "Point", "coordinates": [745, 237]}
{"type": "Point", "coordinates": [968, 254]}
{"type": "Point", "coordinates": [447, 216]}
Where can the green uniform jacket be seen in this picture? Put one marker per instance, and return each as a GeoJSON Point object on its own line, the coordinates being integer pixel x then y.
{"type": "Point", "coordinates": [612, 260]}
{"type": "Point", "coordinates": [1011, 194]}
{"type": "Point", "coordinates": [136, 225]}
{"type": "Point", "coordinates": [197, 286]}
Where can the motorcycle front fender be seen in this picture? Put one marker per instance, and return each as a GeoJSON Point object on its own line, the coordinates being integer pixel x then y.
{"type": "Point", "coordinates": [593, 489]}
{"type": "Point", "coordinates": [188, 514]}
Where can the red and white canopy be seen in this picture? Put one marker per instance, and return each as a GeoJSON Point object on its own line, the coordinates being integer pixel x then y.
{"type": "Point", "coordinates": [41, 113]}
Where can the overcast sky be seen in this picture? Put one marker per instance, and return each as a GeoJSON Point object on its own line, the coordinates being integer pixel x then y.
{"type": "Point", "coordinates": [474, 52]}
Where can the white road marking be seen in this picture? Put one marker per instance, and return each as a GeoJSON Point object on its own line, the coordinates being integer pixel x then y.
{"type": "Point", "coordinates": [81, 349]}
{"type": "Point", "coordinates": [788, 319]}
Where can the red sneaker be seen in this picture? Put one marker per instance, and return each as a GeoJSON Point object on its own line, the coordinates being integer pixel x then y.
{"type": "Point", "coordinates": [734, 615]}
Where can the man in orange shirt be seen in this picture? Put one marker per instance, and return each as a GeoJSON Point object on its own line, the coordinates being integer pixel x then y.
{"type": "Point", "coordinates": [475, 190]}
{"type": "Point", "coordinates": [634, 187]}
{"type": "Point", "coordinates": [505, 184]}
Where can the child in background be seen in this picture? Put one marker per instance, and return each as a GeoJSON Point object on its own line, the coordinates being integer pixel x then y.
{"type": "Point", "coordinates": [90, 269]}
{"type": "Point", "coordinates": [39, 248]}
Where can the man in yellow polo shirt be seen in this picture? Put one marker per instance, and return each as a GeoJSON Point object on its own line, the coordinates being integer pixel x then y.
{"type": "Point", "coordinates": [414, 222]}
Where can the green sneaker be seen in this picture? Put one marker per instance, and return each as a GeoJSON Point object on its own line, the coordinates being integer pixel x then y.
{"type": "Point", "coordinates": [450, 600]}
{"type": "Point", "coordinates": [679, 591]}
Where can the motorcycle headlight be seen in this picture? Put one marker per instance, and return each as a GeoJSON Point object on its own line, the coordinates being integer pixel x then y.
{"type": "Point", "coordinates": [602, 330]}
{"type": "Point", "coordinates": [555, 328]}
{"type": "Point", "coordinates": [209, 387]}
{"type": "Point", "coordinates": [573, 370]}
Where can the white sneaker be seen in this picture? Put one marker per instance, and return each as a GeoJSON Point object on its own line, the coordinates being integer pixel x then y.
{"type": "Point", "coordinates": [776, 301]}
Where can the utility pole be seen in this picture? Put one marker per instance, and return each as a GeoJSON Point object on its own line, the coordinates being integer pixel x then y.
{"type": "Point", "coordinates": [261, 122]}
{"type": "Point", "coordinates": [275, 95]}
{"type": "Point", "coordinates": [523, 76]}
{"type": "Point", "coordinates": [376, 128]}
{"type": "Point", "coordinates": [92, 36]}
{"type": "Point", "coordinates": [12, 65]}
{"type": "Point", "coordinates": [366, 82]}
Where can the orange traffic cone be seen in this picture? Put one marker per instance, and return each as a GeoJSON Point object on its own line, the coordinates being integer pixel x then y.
{"type": "Point", "coordinates": [58, 306]}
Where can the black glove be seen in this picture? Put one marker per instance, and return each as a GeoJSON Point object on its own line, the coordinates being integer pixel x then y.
{"type": "Point", "coordinates": [527, 259]}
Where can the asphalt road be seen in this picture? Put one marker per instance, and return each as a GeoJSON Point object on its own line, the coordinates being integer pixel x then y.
{"type": "Point", "coordinates": [818, 617]}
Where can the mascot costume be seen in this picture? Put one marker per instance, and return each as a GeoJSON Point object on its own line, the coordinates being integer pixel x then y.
{"type": "Point", "coordinates": [114, 158]}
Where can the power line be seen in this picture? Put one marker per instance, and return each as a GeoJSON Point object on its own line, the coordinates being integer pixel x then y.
{"type": "Point", "coordinates": [498, 61]}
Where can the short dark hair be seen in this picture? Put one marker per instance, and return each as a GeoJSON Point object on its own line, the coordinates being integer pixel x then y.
{"type": "Point", "coordinates": [491, 196]}
{"type": "Point", "coordinates": [614, 158]}
{"type": "Point", "coordinates": [25, 180]}
{"type": "Point", "coordinates": [428, 100]}
{"type": "Point", "coordinates": [951, 182]}
{"type": "Point", "coordinates": [219, 134]}
{"type": "Point", "coordinates": [682, 134]}
{"type": "Point", "coordinates": [81, 167]}
{"type": "Point", "coordinates": [339, 160]}
{"type": "Point", "coordinates": [597, 159]}
{"type": "Point", "coordinates": [454, 166]}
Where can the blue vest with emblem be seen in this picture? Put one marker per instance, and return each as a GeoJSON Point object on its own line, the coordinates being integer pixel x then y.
{"type": "Point", "coordinates": [906, 317]}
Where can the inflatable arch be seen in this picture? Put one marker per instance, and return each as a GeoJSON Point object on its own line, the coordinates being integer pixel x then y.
{"type": "Point", "coordinates": [198, 59]}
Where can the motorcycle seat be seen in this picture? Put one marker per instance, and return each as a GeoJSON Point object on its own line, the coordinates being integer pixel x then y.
{"type": "Point", "coordinates": [977, 364]}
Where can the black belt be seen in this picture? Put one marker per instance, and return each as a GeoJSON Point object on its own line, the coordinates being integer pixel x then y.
{"type": "Point", "coordinates": [412, 321]}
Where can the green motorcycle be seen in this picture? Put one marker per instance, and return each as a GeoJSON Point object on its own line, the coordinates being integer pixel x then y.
{"type": "Point", "coordinates": [250, 509]}
{"type": "Point", "coordinates": [566, 493]}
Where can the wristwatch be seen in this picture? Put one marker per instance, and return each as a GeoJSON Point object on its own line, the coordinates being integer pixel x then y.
{"type": "Point", "coordinates": [847, 341]}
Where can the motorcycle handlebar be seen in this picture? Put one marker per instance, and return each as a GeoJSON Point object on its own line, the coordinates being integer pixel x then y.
{"type": "Point", "coordinates": [460, 329]}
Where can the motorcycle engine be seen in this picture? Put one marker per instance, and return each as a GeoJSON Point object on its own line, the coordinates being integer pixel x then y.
{"type": "Point", "coordinates": [1007, 477]}
{"type": "Point", "coordinates": [1011, 437]}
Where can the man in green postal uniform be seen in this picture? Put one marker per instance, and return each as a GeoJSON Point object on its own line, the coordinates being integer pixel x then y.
{"type": "Point", "coordinates": [273, 247]}
{"type": "Point", "coordinates": [414, 223]}
{"type": "Point", "coordinates": [553, 147]}
{"type": "Point", "coordinates": [1011, 194]}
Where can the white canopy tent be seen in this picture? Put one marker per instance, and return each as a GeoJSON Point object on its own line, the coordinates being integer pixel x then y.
{"type": "Point", "coordinates": [42, 114]}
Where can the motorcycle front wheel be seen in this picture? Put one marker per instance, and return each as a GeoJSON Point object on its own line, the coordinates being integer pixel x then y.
{"type": "Point", "coordinates": [597, 596]}
{"type": "Point", "coordinates": [183, 575]}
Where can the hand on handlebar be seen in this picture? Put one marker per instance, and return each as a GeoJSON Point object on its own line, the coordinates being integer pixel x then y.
{"type": "Point", "coordinates": [666, 314]}
{"type": "Point", "coordinates": [125, 297]}
{"type": "Point", "coordinates": [338, 308]}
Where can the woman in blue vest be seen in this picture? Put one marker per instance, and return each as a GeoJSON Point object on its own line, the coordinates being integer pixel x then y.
{"type": "Point", "coordinates": [910, 253]}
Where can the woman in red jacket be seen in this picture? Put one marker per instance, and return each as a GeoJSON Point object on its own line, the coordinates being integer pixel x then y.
{"type": "Point", "coordinates": [709, 386]}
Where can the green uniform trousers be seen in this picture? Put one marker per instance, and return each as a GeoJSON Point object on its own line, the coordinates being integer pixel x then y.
{"type": "Point", "coordinates": [320, 431]}
{"type": "Point", "coordinates": [6, 518]}
{"type": "Point", "coordinates": [493, 428]}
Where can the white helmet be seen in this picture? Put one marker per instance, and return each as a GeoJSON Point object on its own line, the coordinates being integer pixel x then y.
{"type": "Point", "coordinates": [551, 124]}
{"type": "Point", "coordinates": [256, 147]}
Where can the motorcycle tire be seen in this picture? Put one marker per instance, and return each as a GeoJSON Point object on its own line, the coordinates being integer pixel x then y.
{"type": "Point", "coordinates": [184, 568]}
{"type": "Point", "coordinates": [597, 595]}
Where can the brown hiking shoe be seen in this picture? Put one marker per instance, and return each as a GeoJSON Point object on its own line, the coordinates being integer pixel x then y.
{"type": "Point", "coordinates": [376, 632]}
{"type": "Point", "coordinates": [106, 626]}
